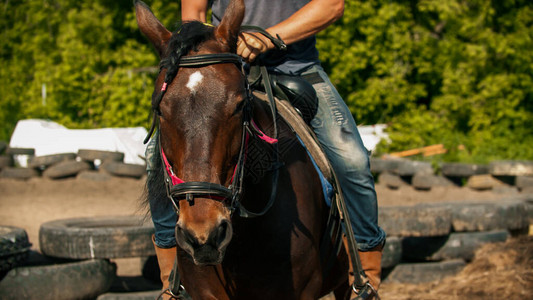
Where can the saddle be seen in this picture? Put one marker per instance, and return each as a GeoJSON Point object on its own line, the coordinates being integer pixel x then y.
{"type": "Point", "coordinates": [297, 90]}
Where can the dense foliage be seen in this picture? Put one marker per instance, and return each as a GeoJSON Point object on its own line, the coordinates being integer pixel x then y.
{"type": "Point", "coordinates": [452, 72]}
{"type": "Point", "coordinates": [83, 64]}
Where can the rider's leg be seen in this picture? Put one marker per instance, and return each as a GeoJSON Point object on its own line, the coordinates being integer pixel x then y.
{"type": "Point", "coordinates": [163, 217]}
{"type": "Point", "coordinates": [165, 259]}
{"type": "Point", "coordinates": [337, 132]}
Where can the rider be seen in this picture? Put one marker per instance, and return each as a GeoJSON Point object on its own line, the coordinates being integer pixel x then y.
{"type": "Point", "coordinates": [297, 22]}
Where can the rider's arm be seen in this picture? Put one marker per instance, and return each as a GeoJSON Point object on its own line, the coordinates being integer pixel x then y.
{"type": "Point", "coordinates": [308, 21]}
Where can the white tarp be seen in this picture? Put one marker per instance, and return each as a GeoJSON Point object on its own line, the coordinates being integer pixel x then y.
{"type": "Point", "coordinates": [48, 138]}
{"type": "Point", "coordinates": [372, 135]}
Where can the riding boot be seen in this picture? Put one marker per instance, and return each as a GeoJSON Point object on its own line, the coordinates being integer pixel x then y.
{"type": "Point", "coordinates": [371, 264]}
{"type": "Point", "coordinates": [165, 260]}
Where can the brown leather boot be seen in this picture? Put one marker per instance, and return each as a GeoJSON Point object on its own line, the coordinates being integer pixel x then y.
{"type": "Point", "coordinates": [371, 263]}
{"type": "Point", "coordinates": [165, 260]}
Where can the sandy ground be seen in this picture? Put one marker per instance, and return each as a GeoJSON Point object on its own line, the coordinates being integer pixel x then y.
{"type": "Point", "coordinates": [507, 273]}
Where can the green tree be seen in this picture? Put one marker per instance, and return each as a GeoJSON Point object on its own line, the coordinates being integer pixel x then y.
{"type": "Point", "coordinates": [83, 64]}
{"type": "Point", "coordinates": [452, 72]}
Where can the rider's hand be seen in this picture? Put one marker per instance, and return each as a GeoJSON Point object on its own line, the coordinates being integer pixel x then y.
{"type": "Point", "coordinates": [250, 45]}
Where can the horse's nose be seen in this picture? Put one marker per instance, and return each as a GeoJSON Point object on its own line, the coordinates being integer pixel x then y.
{"type": "Point", "coordinates": [205, 247]}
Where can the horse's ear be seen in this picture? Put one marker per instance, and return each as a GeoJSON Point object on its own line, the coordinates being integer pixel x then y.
{"type": "Point", "coordinates": [228, 29]}
{"type": "Point", "coordinates": [151, 27]}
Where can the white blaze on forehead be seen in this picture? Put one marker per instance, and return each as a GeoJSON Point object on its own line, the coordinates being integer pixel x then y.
{"type": "Point", "coordinates": [194, 80]}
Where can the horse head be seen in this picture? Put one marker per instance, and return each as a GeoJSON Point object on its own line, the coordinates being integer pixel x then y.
{"type": "Point", "coordinates": [200, 110]}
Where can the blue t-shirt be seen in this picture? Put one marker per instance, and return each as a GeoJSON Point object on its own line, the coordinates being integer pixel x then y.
{"type": "Point", "coordinates": [299, 56]}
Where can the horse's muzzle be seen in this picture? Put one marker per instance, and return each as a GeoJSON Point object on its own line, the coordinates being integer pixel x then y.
{"type": "Point", "coordinates": [205, 251]}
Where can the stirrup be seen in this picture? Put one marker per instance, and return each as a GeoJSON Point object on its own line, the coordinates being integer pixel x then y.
{"type": "Point", "coordinates": [167, 292]}
{"type": "Point", "coordinates": [367, 292]}
{"type": "Point", "coordinates": [182, 294]}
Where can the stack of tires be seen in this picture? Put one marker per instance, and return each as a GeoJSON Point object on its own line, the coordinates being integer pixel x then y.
{"type": "Point", "coordinates": [86, 163]}
{"type": "Point", "coordinates": [76, 260]}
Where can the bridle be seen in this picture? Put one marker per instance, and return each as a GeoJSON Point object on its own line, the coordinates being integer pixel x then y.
{"type": "Point", "coordinates": [178, 189]}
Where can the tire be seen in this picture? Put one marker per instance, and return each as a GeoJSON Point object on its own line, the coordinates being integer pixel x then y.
{"type": "Point", "coordinates": [147, 295]}
{"type": "Point", "coordinates": [461, 245]}
{"type": "Point", "coordinates": [425, 272]}
{"type": "Point", "coordinates": [75, 280]}
{"type": "Point", "coordinates": [392, 181]}
{"type": "Point", "coordinates": [511, 168]}
{"type": "Point", "coordinates": [97, 237]}
{"type": "Point", "coordinates": [14, 247]}
{"type": "Point", "coordinates": [66, 169]}
{"type": "Point", "coordinates": [463, 170]}
{"type": "Point", "coordinates": [410, 168]}
{"type": "Point", "coordinates": [92, 155]}
{"type": "Point", "coordinates": [419, 220]}
{"type": "Point", "coordinates": [134, 284]}
{"type": "Point", "coordinates": [378, 165]}
{"type": "Point", "coordinates": [3, 146]}
{"type": "Point", "coordinates": [6, 161]}
{"type": "Point", "coordinates": [125, 170]}
{"type": "Point", "coordinates": [20, 151]}
{"type": "Point", "coordinates": [48, 160]}
{"type": "Point", "coordinates": [392, 252]}
{"type": "Point", "coordinates": [486, 216]}
{"type": "Point", "coordinates": [426, 182]}
{"type": "Point", "coordinates": [18, 173]}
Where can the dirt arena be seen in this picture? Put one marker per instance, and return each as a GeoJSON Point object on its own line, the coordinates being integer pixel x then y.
{"type": "Point", "coordinates": [499, 271]}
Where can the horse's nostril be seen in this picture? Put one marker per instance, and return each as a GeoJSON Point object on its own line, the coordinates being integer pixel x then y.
{"type": "Point", "coordinates": [223, 234]}
{"type": "Point", "coordinates": [187, 237]}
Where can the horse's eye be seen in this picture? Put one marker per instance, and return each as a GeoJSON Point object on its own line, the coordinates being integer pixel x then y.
{"type": "Point", "coordinates": [239, 107]}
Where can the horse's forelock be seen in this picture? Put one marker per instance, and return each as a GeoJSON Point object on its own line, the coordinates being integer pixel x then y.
{"type": "Point", "coordinates": [188, 37]}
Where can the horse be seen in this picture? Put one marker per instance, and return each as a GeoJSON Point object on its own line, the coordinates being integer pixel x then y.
{"type": "Point", "coordinates": [250, 223]}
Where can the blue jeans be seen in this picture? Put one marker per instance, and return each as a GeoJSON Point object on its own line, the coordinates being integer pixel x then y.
{"type": "Point", "coordinates": [163, 215]}
{"type": "Point", "coordinates": [337, 132]}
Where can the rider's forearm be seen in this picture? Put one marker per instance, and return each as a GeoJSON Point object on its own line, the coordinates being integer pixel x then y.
{"type": "Point", "coordinates": [309, 20]}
